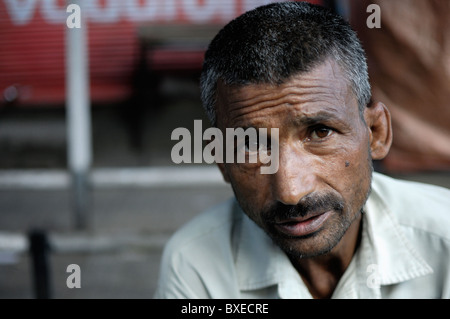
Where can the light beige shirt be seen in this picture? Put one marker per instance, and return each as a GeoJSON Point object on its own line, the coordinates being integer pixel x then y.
{"type": "Point", "coordinates": [404, 252]}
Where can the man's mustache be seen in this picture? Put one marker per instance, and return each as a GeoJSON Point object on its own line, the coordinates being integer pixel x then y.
{"type": "Point", "coordinates": [308, 205]}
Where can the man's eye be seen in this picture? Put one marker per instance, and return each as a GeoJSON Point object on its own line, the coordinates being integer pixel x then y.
{"type": "Point", "coordinates": [321, 133]}
{"type": "Point", "coordinates": [255, 146]}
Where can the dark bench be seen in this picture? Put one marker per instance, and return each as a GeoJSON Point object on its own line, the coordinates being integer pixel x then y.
{"type": "Point", "coordinates": [175, 49]}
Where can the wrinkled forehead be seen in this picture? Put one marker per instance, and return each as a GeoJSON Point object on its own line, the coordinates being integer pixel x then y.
{"type": "Point", "coordinates": [324, 86]}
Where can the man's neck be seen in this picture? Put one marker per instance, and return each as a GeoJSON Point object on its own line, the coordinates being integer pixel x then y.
{"type": "Point", "coordinates": [321, 274]}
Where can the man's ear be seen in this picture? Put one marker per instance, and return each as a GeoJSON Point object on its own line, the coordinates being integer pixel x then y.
{"type": "Point", "coordinates": [224, 172]}
{"type": "Point", "coordinates": [378, 120]}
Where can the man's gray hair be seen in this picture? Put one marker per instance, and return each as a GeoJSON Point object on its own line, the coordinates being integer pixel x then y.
{"type": "Point", "coordinates": [271, 43]}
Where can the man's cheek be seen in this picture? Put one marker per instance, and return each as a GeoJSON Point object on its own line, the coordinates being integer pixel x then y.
{"type": "Point", "coordinates": [246, 180]}
{"type": "Point", "coordinates": [251, 194]}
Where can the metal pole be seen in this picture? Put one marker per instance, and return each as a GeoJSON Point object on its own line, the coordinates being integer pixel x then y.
{"type": "Point", "coordinates": [78, 117]}
{"type": "Point", "coordinates": [39, 249]}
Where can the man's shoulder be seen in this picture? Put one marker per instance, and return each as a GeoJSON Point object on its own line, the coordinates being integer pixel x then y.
{"type": "Point", "coordinates": [193, 251]}
{"type": "Point", "coordinates": [214, 224]}
{"type": "Point", "coordinates": [420, 206]}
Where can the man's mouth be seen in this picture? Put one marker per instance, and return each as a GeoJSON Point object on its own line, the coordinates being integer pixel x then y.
{"type": "Point", "coordinates": [302, 226]}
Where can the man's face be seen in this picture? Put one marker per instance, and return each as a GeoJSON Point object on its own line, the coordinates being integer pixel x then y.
{"type": "Point", "coordinates": [325, 169]}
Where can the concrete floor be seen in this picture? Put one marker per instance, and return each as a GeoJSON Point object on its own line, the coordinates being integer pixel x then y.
{"type": "Point", "coordinates": [119, 255]}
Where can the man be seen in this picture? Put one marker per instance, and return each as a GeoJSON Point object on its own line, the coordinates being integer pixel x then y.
{"type": "Point", "coordinates": [323, 225]}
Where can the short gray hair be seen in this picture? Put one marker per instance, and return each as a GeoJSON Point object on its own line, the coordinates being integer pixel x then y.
{"type": "Point", "coordinates": [271, 43]}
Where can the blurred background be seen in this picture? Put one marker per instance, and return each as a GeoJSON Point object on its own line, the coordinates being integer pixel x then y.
{"type": "Point", "coordinates": [86, 116]}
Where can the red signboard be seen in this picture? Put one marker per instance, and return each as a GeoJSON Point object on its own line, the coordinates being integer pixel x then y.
{"type": "Point", "coordinates": [33, 49]}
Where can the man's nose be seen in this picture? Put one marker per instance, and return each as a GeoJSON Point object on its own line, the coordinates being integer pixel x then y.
{"type": "Point", "coordinates": [295, 177]}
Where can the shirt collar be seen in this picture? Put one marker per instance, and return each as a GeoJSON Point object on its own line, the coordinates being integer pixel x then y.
{"type": "Point", "coordinates": [392, 254]}
{"type": "Point", "coordinates": [261, 264]}
{"type": "Point", "coordinates": [384, 250]}
{"type": "Point", "coordinates": [256, 256]}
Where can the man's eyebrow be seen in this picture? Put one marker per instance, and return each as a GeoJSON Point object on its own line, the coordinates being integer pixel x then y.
{"type": "Point", "coordinates": [314, 119]}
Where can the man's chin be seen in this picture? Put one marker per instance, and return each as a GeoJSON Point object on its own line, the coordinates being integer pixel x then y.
{"type": "Point", "coordinates": [308, 246]}
{"type": "Point", "coordinates": [314, 244]}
